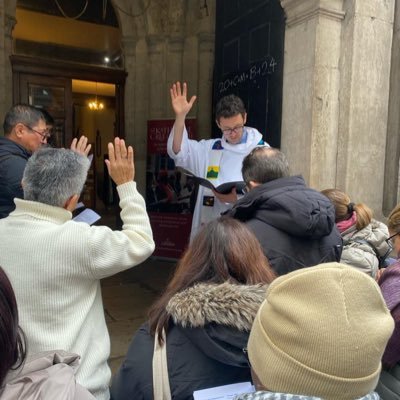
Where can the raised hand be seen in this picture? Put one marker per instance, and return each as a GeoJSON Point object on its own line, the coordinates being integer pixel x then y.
{"type": "Point", "coordinates": [120, 162]}
{"type": "Point", "coordinates": [180, 104]}
{"type": "Point", "coordinates": [81, 146]}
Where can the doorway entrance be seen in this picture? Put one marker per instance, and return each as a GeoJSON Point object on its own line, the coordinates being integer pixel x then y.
{"type": "Point", "coordinates": [65, 92]}
{"type": "Point", "coordinates": [249, 43]}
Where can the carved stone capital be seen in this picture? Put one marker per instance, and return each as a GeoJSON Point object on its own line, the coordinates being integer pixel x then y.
{"type": "Point", "coordinates": [129, 46]}
{"type": "Point", "coordinates": [155, 43]}
{"type": "Point", "coordinates": [9, 23]}
{"type": "Point", "coordinates": [299, 11]}
{"type": "Point", "coordinates": [206, 41]}
{"type": "Point", "coordinates": [176, 44]}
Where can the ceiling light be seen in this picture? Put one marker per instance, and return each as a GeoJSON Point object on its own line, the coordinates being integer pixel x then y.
{"type": "Point", "coordinates": [96, 105]}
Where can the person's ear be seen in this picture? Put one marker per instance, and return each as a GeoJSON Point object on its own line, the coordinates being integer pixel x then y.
{"type": "Point", "coordinates": [253, 184]}
{"type": "Point", "coordinates": [244, 118]}
{"type": "Point", "coordinates": [217, 122]}
{"type": "Point", "coordinates": [71, 203]}
{"type": "Point", "coordinates": [19, 129]}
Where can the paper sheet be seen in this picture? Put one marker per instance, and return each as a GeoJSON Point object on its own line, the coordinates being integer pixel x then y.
{"type": "Point", "coordinates": [88, 216]}
{"type": "Point", "coordinates": [224, 392]}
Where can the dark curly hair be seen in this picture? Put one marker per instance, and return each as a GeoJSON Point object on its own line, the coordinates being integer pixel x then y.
{"type": "Point", "coordinates": [229, 106]}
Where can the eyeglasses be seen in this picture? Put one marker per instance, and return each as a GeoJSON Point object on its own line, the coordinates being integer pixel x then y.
{"type": "Point", "coordinates": [229, 131]}
{"type": "Point", "coordinates": [45, 134]}
{"type": "Point", "coordinates": [390, 240]}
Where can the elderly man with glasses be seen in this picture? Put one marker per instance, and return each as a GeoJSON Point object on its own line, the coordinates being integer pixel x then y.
{"type": "Point", "coordinates": [218, 160]}
{"type": "Point", "coordinates": [25, 131]}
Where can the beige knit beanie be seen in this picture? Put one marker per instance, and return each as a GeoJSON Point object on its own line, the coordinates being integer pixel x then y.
{"type": "Point", "coordinates": [321, 332]}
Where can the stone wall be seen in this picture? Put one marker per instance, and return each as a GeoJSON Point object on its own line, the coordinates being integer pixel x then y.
{"type": "Point", "coordinates": [7, 23]}
{"type": "Point", "coordinates": [172, 40]}
{"type": "Point", "coordinates": [336, 94]}
{"type": "Point", "coordinates": [391, 190]}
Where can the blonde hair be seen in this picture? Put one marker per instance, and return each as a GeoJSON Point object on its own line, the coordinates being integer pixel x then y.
{"type": "Point", "coordinates": [344, 208]}
{"type": "Point", "coordinates": [394, 219]}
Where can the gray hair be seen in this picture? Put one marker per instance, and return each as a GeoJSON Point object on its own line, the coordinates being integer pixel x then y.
{"type": "Point", "coordinates": [264, 164]}
{"type": "Point", "coordinates": [52, 176]}
{"type": "Point", "coordinates": [21, 114]}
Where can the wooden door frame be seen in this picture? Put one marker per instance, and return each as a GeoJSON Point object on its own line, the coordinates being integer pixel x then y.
{"type": "Point", "coordinates": [24, 65]}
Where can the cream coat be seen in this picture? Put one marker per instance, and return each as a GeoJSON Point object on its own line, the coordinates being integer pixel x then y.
{"type": "Point", "coordinates": [45, 376]}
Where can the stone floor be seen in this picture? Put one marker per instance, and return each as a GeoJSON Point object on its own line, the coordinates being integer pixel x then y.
{"type": "Point", "coordinates": [127, 297]}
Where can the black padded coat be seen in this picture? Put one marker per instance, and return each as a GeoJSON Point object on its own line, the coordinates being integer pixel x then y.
{"type": "Point", "coordinates": [294, 223]}
{"type": "Point", "coordinates": [209, 329]}
{"type": "Point", "coordinates": [13, 159]}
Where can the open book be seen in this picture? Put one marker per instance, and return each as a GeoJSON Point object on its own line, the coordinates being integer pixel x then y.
{"type": "Point", "coordinates": [224, 188]}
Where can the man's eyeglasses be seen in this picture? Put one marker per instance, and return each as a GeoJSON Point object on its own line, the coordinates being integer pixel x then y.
{"type": "Point", "coordinates": [229, 131]}
{"type": "Point", "coordinates": [45, 134]}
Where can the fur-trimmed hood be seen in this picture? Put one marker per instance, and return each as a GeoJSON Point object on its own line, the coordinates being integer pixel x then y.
{"type": "Point", "coordinates": [227, 304]}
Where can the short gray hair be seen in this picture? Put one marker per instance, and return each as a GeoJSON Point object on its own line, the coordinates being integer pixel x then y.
{"type": "Point", "coordinates": [21, 114]}
{"type": "Point", "coordinates": [52, 176]}
{"type": "Point", "coordinates": [264, 164]}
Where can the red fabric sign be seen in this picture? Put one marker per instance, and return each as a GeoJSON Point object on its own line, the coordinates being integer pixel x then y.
{"type": "Point", "coordinates": [169, 196]}
{"type": "Point", "coordinates": [158, 132]}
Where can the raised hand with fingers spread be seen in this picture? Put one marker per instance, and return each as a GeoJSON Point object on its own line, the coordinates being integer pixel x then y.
{"type": "Point", "coordinates": [81, 146]}
{"type": "Point", "coordinates": [181, 107]}
{"type": "Point", "coordinates": [120, 162]}
{"type": "Point", "coordinates": [180, 104]}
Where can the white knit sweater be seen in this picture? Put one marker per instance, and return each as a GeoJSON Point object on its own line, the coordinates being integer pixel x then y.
{"type": "Point", "coordinates": [55, 266]}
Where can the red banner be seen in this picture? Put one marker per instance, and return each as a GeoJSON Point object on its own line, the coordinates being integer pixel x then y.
{"type": "Point", "coordinates": [158, 132]}
{"type": "Point", "coordinates": [170, 198]}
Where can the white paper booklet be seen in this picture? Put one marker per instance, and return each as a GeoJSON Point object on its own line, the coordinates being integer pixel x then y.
{"type": "Point", "coordinates": [224, 392]}
{"type": "Point", "coordinates": [88, 216]}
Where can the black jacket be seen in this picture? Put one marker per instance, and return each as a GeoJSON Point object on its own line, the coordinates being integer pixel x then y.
{"type": "Point", "coordinates": [204, 343]}
{"type": "Point", "coordinates": [13, 159]}
{"type": "Point", "coordinates": [294, 224]}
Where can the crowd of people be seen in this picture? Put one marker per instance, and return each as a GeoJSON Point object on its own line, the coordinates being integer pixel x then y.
{"type": "Point", "coordinates": [292, 289]}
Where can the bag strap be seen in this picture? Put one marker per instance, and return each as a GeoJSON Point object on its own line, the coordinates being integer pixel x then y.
{"type": "Point", "coordinates": [161, 388]}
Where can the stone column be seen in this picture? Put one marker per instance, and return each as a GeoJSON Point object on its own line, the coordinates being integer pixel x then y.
{"type": "Point", "coordinates": [157, 84]}
{"type": "Point", "coordinates": [310, 88]}
{"type": "Point", "coordinates": [134, 136]}
{"type": "Point", "coordinates": [205, 76]}
{"type": "Point", "coordinates": [6, 50]}
{"type": "Point", "coordinates": [365, 78]}
{"type": "Point", "coordinates": [174, 69]}
{"type": "Point", "coordinates": [391, 190]}
{"type": "Point", "coordinates": [129, 52]}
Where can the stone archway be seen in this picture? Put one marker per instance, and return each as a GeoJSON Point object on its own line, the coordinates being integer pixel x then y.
{"type": "Point", "coordinates": [171, 40]}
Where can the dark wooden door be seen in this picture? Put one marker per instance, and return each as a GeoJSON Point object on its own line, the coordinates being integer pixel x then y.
{"type": "Point", "coordinates": [249, 48]}
{"type": "Point", "coordinates": [55, 96]}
